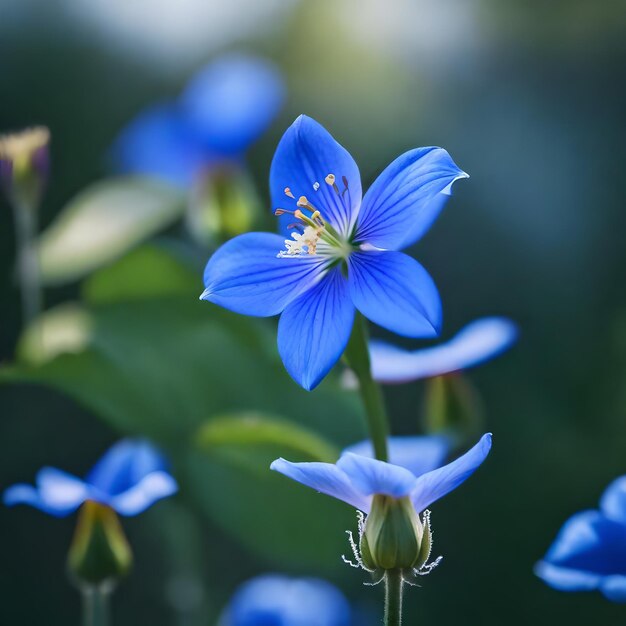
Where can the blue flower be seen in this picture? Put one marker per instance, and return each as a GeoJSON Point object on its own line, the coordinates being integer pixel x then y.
{"type": "Point", "coordinates": [394, 535]}
{"type": "Point", "coordinates": [129, 478]}
{"type": "Point", "coordinates": [342, 254]}
{"type": "Point", "coordinates": [589, 552]}
{"type": "Point", "coordinates": [356, 479]}
{"type": "Point", "coordinates": [222, 111]}
{"type": "Point", "coordinates": [275, 600]}
{"type": "Point", "coordinates": [479, 341]}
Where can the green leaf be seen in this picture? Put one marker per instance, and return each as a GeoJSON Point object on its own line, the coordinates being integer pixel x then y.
{"type": "Point", "coordinates": [242, 436]}
{"type": "Point", "coordinates": [151, 271]}
{"type": "Point", "coordinates": [104, 221]}
{"type": "Point", "coordinates": [63, 329]}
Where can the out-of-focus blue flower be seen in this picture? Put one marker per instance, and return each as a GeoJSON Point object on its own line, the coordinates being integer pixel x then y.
{"type": "Point", "coordinates": [343, 251]}
{"type": "Point", "coordinates": [420, 454]}
{"type": "Point", "coordinates": [356, 479]}
{"type": "Point", "coordinates": [222, 111]}
{"type": "Point", "coordinates": [479, 341]}
{"type": "Point", "coordinates": [129, 478]}
{"type": "Point", "coordinates": [275, 600]}
{"type": "Point", "coordinates": [589, 552]}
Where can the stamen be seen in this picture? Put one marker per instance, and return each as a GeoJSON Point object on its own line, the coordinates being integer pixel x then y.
{"type": "Point", "coordinates": [288, 193]}
{"type": "Point", "coordinates": [330, 180]}
{"type": "Point", "coordinates": [302, 201]}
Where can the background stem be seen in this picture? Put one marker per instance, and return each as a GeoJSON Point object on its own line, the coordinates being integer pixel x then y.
{"type": "Point", "coordinates": [393, 597]}
{"type": "Point", "coordinates": [96, 604]}
{"type": "Point", "coordinates": [357, 355]}
{"type": "Point", "coordinates": [27, 262]}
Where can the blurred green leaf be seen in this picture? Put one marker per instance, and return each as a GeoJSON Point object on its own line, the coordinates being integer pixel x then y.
{"type": "Point", "coordinates": [65, 328]}
{"type": "Point", "coordinates": [290, 525]}
{"type": "Point", "coordinates": [104, 221]}
{"type": "Point", "coordinates": [148, 272]}
{"type": "Point", "coordinates": [242, 436]}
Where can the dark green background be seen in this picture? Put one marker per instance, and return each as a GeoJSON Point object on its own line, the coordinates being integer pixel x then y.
{"type": "Point", "coordinates": [531, 104]}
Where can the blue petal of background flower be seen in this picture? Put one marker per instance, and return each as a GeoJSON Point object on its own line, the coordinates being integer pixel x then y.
{"type": "Point", "coordinates": [130, 477]}
{"type": "Point", "coordinates": [222, 111]}
{"type": "Point", "coordinates": [232, 101]}
{"type": "Point", "coordinates": [419, 454]}
{"type": "Point", "coordinates": [479, 341]}
{"type": "Point", "coordinates": [275, 600]}
{"type": "Point", "coordinates": [589, 552]}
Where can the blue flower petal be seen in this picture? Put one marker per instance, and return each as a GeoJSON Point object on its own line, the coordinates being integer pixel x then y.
{"type": "Point", "coordinates": [274, 600]}
{"type": "Point", "coordinates": [406, 198]}
{"type": "Point", "coordinates": [326, 478]}
{"type": "Point", "coordinates": [158, 143]}
{"type": "Point", "coordinates": [396, 292]}
{"type": "Point", "coordinates": [479, 341]}
{"type": "Point", "coordinates": [614, 588]}
{"type": "Point", "coordinates": [232, 101]}
{"type": "Point", "coordinates": [436, 484]}
{"type": "Point", "coordinates": [589, 541]}
{"type": "Point", "coordinates": [564, 579]}
{"type": "Point", "coordinates": [124, 465]}
{"type": "Point", "coordinates": [313, 330]}
{"type": "Point", "coordinates": [57, 493]}
{"type": "Point", "coordinates": [144, 493]}
{"type": "Point", "coordinates": [417, 454]}
{"type": "Point", "coordinates": [371, 476]}
{"type": "Point", "coordinates": [306, 154]}
{"type": "Point", "coordinates": [245, 275]}
{"type": "Point", "coordinates": [613, 501]}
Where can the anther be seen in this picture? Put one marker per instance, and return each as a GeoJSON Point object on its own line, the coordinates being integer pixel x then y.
{"type": "Point", "coordinates": [330, 179]}
{"type": "Point", "coordinates": [302, 201]}
{"type": "Point", "coordinates": [282, 212]}
{"type": "Point", "coordinates": [288, 193]}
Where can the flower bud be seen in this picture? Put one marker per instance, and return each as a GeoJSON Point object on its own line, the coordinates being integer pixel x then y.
{"type": "Point", "coordinates": [225, 205]}
{"type": "Point", "coordinates": [452, 406]}
{"type": "Point", "coordinates": [99, 552]}
{"type": "Point", "coordinates": [394, 536]}
{"type": "Point", "coordinates": [24, 165]}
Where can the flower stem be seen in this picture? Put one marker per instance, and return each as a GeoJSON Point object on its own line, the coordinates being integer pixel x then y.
{"type": "Point", "coordinates": [393, 598]}
{"type": "Point", "coordinates": [357, 355]}
{"type": "Point", "coordinates": [27, 261]}
{"type": "Point", "coordinates": [96, 604]}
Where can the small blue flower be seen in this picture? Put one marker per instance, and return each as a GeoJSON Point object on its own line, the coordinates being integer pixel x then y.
{"type": "Point", "coordinates": [129, 478]}
{"type": "Point", "coordinates": [222, 111]}
{"type": "Point", "coordinates": [356, 479]}
{"type": "Point", "coordinates": [479, 341]}
{"type": "Point", "coordinates": [342, 253]}
{"type": "Point", "coordinates": [275, 600]}
{"type": "Point", "coordinates": [589, 552]}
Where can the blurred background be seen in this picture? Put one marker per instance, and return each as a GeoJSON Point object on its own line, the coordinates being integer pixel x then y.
{"type": "Point", "coordinates": [528, 99]}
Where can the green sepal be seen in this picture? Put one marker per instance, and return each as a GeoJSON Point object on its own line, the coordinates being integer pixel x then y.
{"type": "Point", "coordinates": [99, 552]}
{"type": "Point", "coordinates": [393, 532]}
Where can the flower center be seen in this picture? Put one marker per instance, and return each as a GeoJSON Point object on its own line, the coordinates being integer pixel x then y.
{"type": "Point", "coordinates": [310, 228]}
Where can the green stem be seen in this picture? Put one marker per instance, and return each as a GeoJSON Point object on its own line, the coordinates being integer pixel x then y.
{"type": "Point", "coordinates": [96, 604]}
{"type": "Point", "coordinates": [357, 355]}
{"type": "Point", "coordinates": [393, 598]}
{"type": "Point", "coordinates": [27, 261]}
